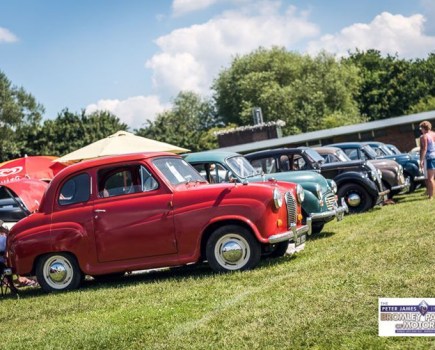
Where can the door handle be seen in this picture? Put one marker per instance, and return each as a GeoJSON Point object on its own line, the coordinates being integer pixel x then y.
{"type": "Point", "coordinates": [99, 210]}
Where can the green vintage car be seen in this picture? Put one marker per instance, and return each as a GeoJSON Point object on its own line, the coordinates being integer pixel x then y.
{"type": "Point", "coordinates": [320, 200]}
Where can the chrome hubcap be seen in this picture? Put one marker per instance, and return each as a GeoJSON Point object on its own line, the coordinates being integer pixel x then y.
{"type": "Point", "coordinates": [354, 200]}
{"type": "Point", "coordinates": [232, 251]}
{"type": "Point", "coordinates": [57, 272]}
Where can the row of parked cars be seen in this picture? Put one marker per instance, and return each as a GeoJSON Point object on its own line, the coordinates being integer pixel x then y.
{"type": "Point", "coordinates": [108, 216]}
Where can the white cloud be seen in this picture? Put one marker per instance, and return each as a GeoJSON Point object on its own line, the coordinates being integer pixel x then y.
{"type": "Point", "coordinates": [181, 7]}
{"type": "Point", "coordinates": [191, 57]}
{"type": "Point", "coordinates": [133, 111]}
{"type": "Point", "coordinates": [387, 33]}
{"type": "Point", "coordinates": [7, 36]}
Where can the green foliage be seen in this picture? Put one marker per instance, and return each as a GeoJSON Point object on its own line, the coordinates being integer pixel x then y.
{"type": "Point", "coordinates": [20, 115]}
{"type": "Point", "coordinates": [188, 124]}
{"type": "Point", "coordinates": [424, 105]}
{"type": "Point", "coordinates": [71, 131]}
{"type": "Point", "coordinates": [391, 86]}
{"type": "Point", "coordinates": [297, 89]}
{"type": "Point", "coordinates": [324, 297]}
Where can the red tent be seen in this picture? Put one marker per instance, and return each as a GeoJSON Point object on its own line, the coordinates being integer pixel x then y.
{"type": "Point", "coordinates": [34, 167]}
{"type": "Point", "coordinates": [20, 198]}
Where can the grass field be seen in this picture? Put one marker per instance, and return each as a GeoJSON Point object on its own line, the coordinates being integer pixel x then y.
{"type": "Point", "coordinates": [325, 297]}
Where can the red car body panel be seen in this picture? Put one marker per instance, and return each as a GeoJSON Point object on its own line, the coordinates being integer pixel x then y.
{"type": "Point", "coordinates": [163, 227]}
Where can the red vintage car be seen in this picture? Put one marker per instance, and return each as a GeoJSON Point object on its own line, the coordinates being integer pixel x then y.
{"type": "Point", "coordinates": [139, 211]}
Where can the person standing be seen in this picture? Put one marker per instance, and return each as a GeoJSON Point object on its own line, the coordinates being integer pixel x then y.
{"type": "Point", "coordinates": [427, 155]}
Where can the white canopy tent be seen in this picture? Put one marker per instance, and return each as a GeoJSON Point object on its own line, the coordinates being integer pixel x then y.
{"type": "Point", "coordinates": [122, 142]}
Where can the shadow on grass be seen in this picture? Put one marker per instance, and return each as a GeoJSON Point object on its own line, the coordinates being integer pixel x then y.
{"type": "Point", "coordinates": [321, 235]}
{"type": "Point", "coordinates": [195, 271]}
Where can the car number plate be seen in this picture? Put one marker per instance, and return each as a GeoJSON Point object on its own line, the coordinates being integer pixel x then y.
{"type": "Point", "coordinates": [300, 240]}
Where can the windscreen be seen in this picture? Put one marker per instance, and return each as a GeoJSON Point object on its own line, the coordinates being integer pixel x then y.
{"type": "Point", "coordinates": [241, 167]}
{"type": "Point", "coordinates": [177, 171]}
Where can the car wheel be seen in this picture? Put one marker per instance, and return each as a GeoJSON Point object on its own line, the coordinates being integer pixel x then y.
{"type": "Point", "coordinates": [357, 198]}
{"type": "Point", "coordinates": [232, 248]}
{"type": "Point", "coordinates": [317, 227]}
{"type": "Point", "coordinates": [412, 184]}
{"type": "Point", "coordinates": [280, 249]}
{"type": "Point", "coordinates": [58, 272]}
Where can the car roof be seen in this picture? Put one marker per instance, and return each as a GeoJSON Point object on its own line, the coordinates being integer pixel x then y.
{"type": "Point", "coordinates": [86, 164]}
{"type": "Point", "coordinates": [326, 149]}
{"type": "Point", "coordinates": [346, 144]}
{"type": "Point", "coordinates": [276, 151]}
{"type": "Point", "coordinates": [209, 156]}
{"type": "Point", "coordinates": [373, 143]}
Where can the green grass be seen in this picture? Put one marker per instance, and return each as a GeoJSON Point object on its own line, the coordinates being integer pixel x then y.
{"type": "Point", "coordinates": [325, 297]}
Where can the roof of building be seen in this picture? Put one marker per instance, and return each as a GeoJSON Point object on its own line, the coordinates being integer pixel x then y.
{"type": "Point", "coordinates": [328, 133]}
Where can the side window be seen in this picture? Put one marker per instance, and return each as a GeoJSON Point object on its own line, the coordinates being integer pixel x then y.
{"type": "Point", "coordinates": [284, 163]}
{"type": "Point", "coordinates": [75, 190]}
{"type": "Point", "coordinates": [218, 173]}
{"type": "Point", "coordinates": [256, 163]}
{"type": "Point", "coordinates": [351, 153]}
{"type": "Point", "coordinates": [332, 158]}
{"type": "Point", "coordinates": [123, 180]}
{"type": "Point", "coordinates": [147, 180]}
{"type": "Point", "coordinates": [299, 162]}
{"type": "Point", "coordinates": [212, 172]}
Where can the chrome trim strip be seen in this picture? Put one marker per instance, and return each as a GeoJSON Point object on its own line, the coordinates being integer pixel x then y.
{"type": "Point", "coordinates": [419, 178]}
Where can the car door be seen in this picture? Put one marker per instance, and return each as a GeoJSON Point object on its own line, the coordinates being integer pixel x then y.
{"type": "Point", "coordinates": [133, 216]}
{"type": "Point", "coordinates": [71, 220]}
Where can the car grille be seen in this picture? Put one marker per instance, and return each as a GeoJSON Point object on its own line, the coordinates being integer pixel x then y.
{"type": "Point", "coordinates": [291, 208]}
{"type": "Point", "coordinates": [331, 202]}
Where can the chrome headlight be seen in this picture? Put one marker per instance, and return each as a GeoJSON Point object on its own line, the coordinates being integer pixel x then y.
{"type": "Point", "coordinates": [277, 198]}
{"type": "Point", "coordinates": [333, 186]}
{"type": "Point", "coordinates": [300, 193]}
{"type": "Point", "coordinates": [319, 191]}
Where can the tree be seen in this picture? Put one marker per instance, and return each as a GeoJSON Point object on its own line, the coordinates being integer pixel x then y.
{"type": "Point", "coordinates": [307, 93]}
{"type": "Point", "coordinates": [389, 84]}
{"type": "Point", "coordinates": [188, 124]}
{"type": "Point", "coordinates": [20, 115]}
{"type": "Point", "coordinates": [71, 131]}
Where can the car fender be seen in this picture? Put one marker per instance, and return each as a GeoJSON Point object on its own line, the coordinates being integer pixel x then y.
{"type": "Point", "coordinates": [311, 203]}
{"type": "Point", "coordinates": [389, 177]}
{"type": "Point", "coordinates": [358, 178]}
{"type": "Point", "coordinates": [61, 237]}
{"type": "Point", "coordinates": [232, 218]}
{"type": "Point", "coordinates": [21, 248]}
{"type": "Point", "coordinates": [411, 169]}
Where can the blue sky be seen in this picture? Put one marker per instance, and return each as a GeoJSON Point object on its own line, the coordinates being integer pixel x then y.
{"type": "Point", "coordinates": [133, 57]}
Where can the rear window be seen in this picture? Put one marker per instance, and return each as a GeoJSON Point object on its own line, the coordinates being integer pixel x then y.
{"type": "Point", "coordinates": [75, 190]}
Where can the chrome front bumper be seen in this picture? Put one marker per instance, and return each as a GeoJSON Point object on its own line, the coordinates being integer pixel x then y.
{"type": "Point", "coordinates": [419, 178]}
{"type": "Point", "coordinates": [293, 234]}
{"type": "Point", "coordinates": [338, 212]}
{"type": "Point", "coordinates": [382, 196]}
{"type": "Point", "coordinates": [403, 187]}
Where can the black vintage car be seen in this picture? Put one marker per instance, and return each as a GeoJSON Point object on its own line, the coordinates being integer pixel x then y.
{"type": "Point", "coordinates": [358, 183]}
{"type": "Point", "coordinates": [392, 172]}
